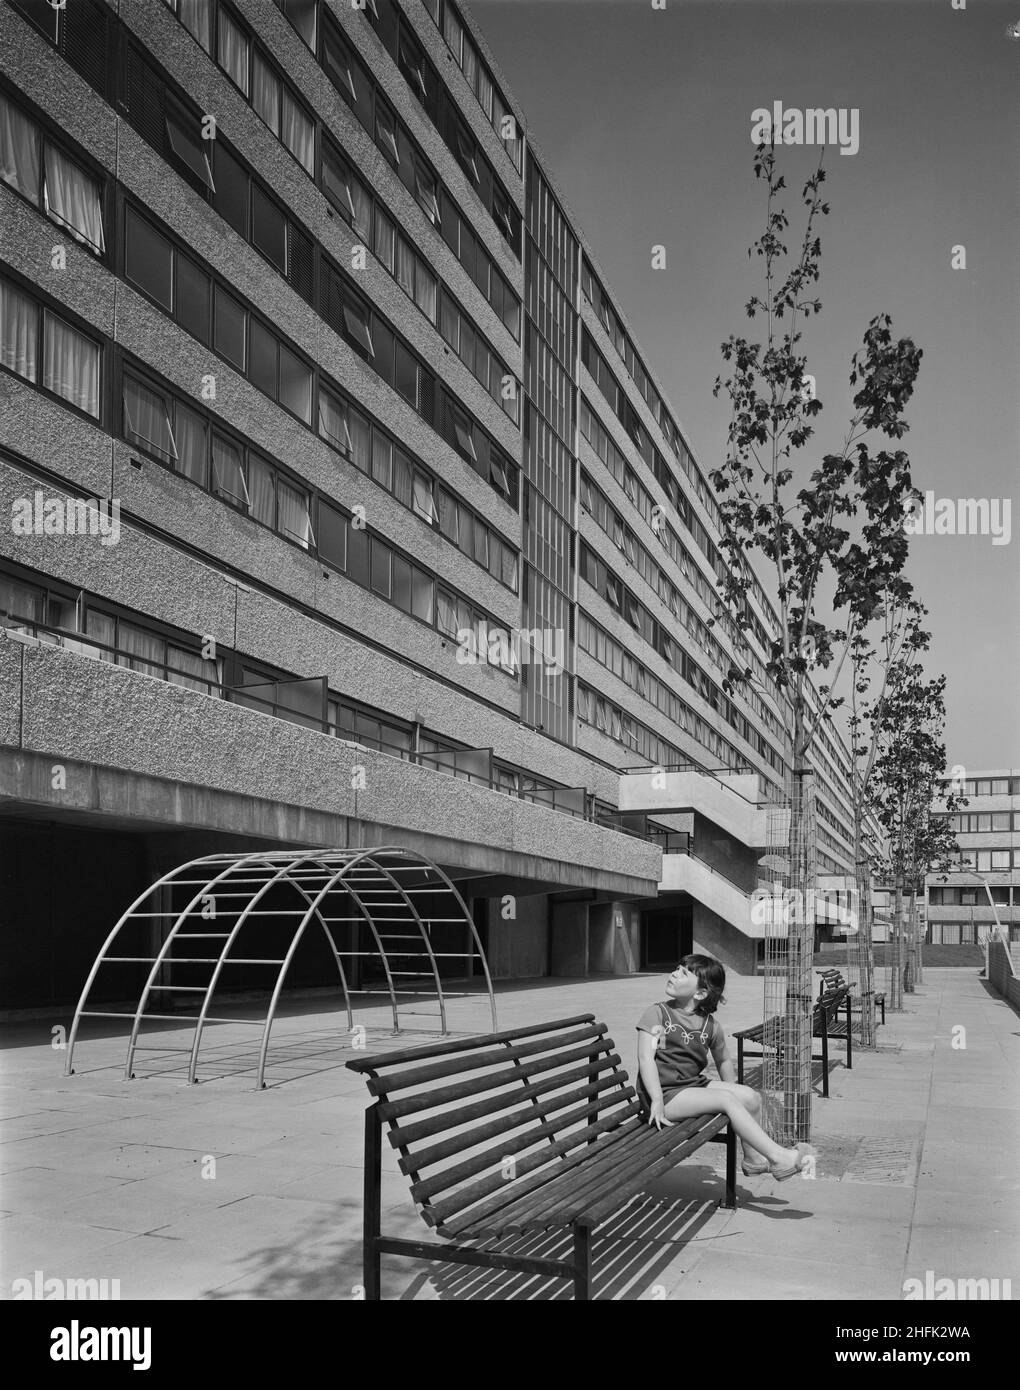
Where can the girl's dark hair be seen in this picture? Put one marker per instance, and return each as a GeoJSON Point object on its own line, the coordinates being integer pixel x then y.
{"type": "Point", "coordinates": [711, 978]}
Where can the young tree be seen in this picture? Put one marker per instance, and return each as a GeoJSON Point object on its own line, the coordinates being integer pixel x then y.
{"type": "Point", "coordinates": [907, 771]}
{"type": "Point", "coordinates": [803, 537]}
{"type": "Point", "coordinates": [874, 666]}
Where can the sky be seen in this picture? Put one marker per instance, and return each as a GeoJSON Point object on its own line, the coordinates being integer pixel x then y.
{"type": "Point", "coordinates": [642, 118]}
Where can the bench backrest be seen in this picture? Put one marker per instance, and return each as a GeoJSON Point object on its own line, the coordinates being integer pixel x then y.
{"type": "Point", "coordinates": [500, 1106]}
{"type": "Point", "coordinates": [830, 1001]}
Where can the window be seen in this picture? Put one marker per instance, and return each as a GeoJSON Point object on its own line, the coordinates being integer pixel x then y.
{"type": "Point", "coordinates": [462, 439]}
{"type": "Point", "coordinates": [19, 151]}
{"type": "Point", "coordinates": [269, 229]}
{"type": "Point", "coordinates": [72, 199]}
{"type": "Point", "coordinates": [147, 420]}
{"type": "Point", "coordinates": [194, 298]}
{"type": "Point", "coordinates": [384, 244]}
{"type": "Point", "coordinates": [228, 471]}
{"type": "Point", "coordinates": [356, 323]}
{"type": "Point", "coordinates": [148, 259]}
{"type": "Point", "coordinates": [231, 200]}
{"type": "Point", "coordinates": [191, 433]}
{"type": "Point", "coordinates": [346, 192]}
{"type": "Point", "coordinates": [301, 14]}
{"type": "Point", "coordinates": [422, 499]}
{"type": "Point", "coordinates": [19, 332]}
{"type": "Point", "coordinates": [228, 329]}
{"type": "Point", "coordinates": [196, 16]}
{"type": "Point", "coordinates": [332, 536]}
{"type": "Point", "coordinates": [386, 134]}
{"type": "Point", "coordinates": [232, 51]}
{"type": "Point", "coordinates": [265, 92]}
{"type": "Point", "coordinates": [426, 192]}
{"type": "Point", "coordinates": [295, 385]}
{"type": "Point", "coordinates": [333, 422]}
{"type": "Point", "coordinates": [411, 63]}
{"type": "Point", "coordinates": [262, 350]}
{"type": "Point", "coordinates": [406, 374]}
{"type": "Point", "coordinates": [70, 364]}
{"type": "Point", "coordinates": [188, 147]}
{"type": "Point", "coordinates": [298, 132]}
{"type": "Point", "coordinates": [466, 152]}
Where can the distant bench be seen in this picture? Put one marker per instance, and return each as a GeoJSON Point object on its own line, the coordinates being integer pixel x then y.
{"type": "Point", "coordinates": [826, 1024]}
{"type": "Point", "coordinates": [576, 1152]}
{"type": "Point", "coordinates": [833, 979]}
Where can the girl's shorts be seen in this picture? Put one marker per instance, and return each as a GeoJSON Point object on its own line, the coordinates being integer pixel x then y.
{"type": "Point", "coordinates": [668, 1092]}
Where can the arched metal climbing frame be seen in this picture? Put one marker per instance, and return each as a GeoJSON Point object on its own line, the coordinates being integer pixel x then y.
{"type": "Point", "coordinates": [388, 889]}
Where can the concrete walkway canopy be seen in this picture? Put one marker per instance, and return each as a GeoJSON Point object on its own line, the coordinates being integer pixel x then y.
{"type": "Point", "coordinates": [385, 907]}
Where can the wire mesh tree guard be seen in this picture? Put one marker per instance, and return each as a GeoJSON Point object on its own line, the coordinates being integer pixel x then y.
{"type": "Point", "coordinates": [379, 905]}
{"type": "Point", "coordinates": [790, 857]}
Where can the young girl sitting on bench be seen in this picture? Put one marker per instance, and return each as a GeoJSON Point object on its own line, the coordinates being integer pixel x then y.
{"type": "Point", "coordinates": [674, 1040]}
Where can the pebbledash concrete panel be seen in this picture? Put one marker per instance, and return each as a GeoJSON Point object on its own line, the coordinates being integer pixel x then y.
{"type": "Point", "coordinates": [91, 712]}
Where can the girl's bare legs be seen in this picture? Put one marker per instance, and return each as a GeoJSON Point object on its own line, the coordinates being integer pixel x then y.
{"type": "Point", "coordinates": [708, 1100]}
{"type": "Point", "coordinates": [751, 1101]}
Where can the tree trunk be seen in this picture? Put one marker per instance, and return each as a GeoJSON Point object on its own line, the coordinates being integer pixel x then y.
{"type": "Point", "coordinates": [895, 1000]}
{"type": "Point", "coordinates": [864, 945]}
{"type": "Point", "coordinates": [910, 968]}
{"type": "Point", "coordinates": [800, 943]}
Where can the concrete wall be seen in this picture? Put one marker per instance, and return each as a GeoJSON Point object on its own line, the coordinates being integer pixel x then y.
{"type": "Point", "coordinates": [725, 853]}
{"type": "Point", "coordinates": [1001, 975]}
{"type": "Point", "coordinates": [518, 946]}
{"type": "Point", "coordinates": [714, 937]}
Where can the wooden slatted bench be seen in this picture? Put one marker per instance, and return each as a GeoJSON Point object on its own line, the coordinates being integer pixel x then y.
{"type": "Point", "coordinates": [572, 1155]}
{"type": "Point", "coordinates": [826, 1024]}
{"type": "Point", "coordinates": [832, 979]}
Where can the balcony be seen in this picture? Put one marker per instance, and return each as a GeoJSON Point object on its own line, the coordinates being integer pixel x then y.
{"type": "Point", "coordinates": [731, 800]}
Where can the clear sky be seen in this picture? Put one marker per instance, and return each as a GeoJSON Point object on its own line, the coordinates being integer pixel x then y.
{"type": "Point", "coordinates": [643, 120]}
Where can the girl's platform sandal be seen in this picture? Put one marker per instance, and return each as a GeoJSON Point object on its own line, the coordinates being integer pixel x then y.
{"type": "Point", "coordinates": [754, 1170]}
{"type": "Point", "coordinates": [804, 1151]}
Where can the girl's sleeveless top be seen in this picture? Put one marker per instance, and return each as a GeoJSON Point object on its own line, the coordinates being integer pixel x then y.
{"type": "Point", "coordinates": [682, 1054]}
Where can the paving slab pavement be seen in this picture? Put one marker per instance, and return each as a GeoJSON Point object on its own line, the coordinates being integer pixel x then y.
{"type": "Point", "coordinates": [217, 1191]}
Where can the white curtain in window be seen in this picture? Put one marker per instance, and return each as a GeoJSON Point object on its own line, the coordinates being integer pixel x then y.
{"type": "Point", "coordinates": [261, 495]}
{"type": "Point", "coordinates": [383, 244]}
{"type": "Point", "coordinates": [71, 198]}
{"type": "Point", "coordinates": [196, 16]}
{"type": "Point", "coordinates": [422, 498]}
{"type": "Point", "coordinates": [265, 93]}
{"type": "Point", "coordinates": [402, 473]}
{"type": "Point", "coordinates": [228, 471]}
{"type": "Point", "coordinates": [71, 365]}
{"type": "Point", "coordinates": [140, 650]}
{"type": "Point", "coordinates": [452, 31]}
{"type": "Point", "coordinates": [298, 133]}
{"type": "Point", "coordinates": [425, 291]}
{"type": "Point", "coordinates": [361, 438]}
{"type": "Point", "coordinates": [405, 266]}
{"type": "Point", "coordinates": [470, 64]}
{"type": "Point", "coordinates": [447, 511]}
{"type": "Point", "coordinates": [19, 329]}
{"type": "Point", "coordinates": [333, 422]}
{"type": "Point", "coordinates": [361, 209]}
{"type": "Point", "coordinates": [146, 420]}
{"type": "Point", "coordinates": [192, 436]}
{"type": "Point", "coordinates": [232, 51]}
{"type": "Point", "coordinates": [191, 671]}
{"type": "Point", "coordinates": [295, 522]}
{"type": "Point", "coordinates": [19, 151]}
{"type": "Point", "coordinates": [446, 613]}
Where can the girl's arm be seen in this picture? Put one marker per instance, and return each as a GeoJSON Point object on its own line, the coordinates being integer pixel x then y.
{"type": "Point", "coordinates": [721, 1054]}
{"type": "Point", "coordinates": [649, 1072]}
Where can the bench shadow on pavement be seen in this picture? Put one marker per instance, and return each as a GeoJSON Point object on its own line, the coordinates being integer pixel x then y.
{"type": "Point", "coordinates": [632, 1252]}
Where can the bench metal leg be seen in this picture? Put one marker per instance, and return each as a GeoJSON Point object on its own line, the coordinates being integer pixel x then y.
{"type": "Point", "coordinates": [582, 1263]}
{"type": "Point", "coordinates": [730, 1199]}
{"type": "Point", "coordinates": [849, 1039]}
{"type": "Point", "coordinates": [373, 1205]}
{"type": "Point", "coordinates": [740, 1060]}
{"type": "Point", "coordinates": [825, 1060]}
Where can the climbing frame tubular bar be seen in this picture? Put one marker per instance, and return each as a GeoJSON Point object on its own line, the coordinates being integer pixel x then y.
{"type": "Point", "coordinates": [399, 896]}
